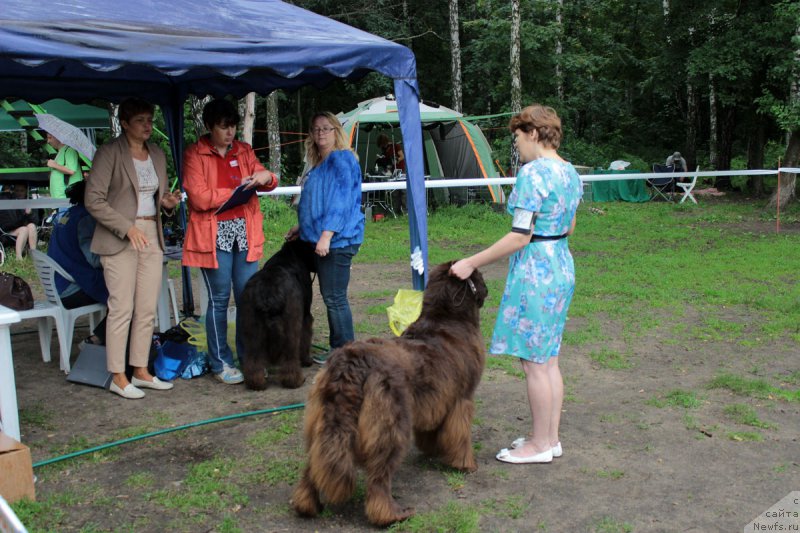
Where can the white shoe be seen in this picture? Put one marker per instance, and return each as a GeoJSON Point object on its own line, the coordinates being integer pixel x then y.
{"type": "Point", "coordinates": [542, 457]}
{"type": "Point", "coordinates": [130, 392]}
{"type": "Point", "coordinates": [156, 384]}
{"type": "Point", "coordinates": [557, 450]}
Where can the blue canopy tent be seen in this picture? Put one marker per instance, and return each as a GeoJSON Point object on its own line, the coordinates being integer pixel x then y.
{"type": "Point", "coordinates": [164, 51]}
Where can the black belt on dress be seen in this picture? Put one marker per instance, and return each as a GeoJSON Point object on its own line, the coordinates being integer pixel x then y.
{"type": "Point", "coordinates": [535, 237]}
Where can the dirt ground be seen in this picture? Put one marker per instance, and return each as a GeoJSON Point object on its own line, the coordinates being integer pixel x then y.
{"type": "Point", "coordinates": [628, 464]}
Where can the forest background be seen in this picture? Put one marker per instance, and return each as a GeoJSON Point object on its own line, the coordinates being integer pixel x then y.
{"type": "Point", "coordinates": [717, 80]}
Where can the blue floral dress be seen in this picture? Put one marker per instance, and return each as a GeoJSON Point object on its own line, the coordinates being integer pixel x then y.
{"type": "Point", "coordinates": [541, 276]}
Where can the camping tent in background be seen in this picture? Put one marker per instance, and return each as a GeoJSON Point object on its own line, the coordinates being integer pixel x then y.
{"type": "Point", "coordinates": [162, 52]}
{"type": "Point", "coordinates": [453, 147]}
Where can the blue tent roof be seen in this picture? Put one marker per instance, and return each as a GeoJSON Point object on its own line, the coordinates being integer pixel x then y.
{"type": "Point", "coordinates": [163, 51]}
{"type": "Point", "coordinates": [200, 47]}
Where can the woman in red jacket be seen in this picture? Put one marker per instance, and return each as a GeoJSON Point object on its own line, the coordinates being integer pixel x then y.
{"type": "Point", "coordinates": [225, 245]}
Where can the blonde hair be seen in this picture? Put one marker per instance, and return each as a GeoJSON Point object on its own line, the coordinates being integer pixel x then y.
{"type": "Point", "coordinates": [313, 157]}
{"type": "Point", "coordinates": [543, 119]}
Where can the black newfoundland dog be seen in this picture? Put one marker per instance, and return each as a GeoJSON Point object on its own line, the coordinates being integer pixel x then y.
{"type": "Point", "coordinates": [276, 317]}
{"type": "Point", "coordinates": [372, 395]}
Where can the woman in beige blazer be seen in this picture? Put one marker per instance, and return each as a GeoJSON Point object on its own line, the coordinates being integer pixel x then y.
{"type": "Point", "coordinates": [126, 189]}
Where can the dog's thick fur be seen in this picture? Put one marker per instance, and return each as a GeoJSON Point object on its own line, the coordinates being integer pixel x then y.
{"type": "Point", "coordinates": [276, 317]}
{"type": "Point", "coordinates": [371, 395]}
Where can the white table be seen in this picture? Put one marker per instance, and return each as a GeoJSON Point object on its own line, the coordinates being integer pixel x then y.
{"type": "Point", "coordinates": [9, 415]}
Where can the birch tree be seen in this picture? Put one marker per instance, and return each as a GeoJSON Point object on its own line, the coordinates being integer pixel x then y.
{"type": "Point", "coordinates": [455, 52]}
{"type": "Point", "coordinates": [247, 110]}
{"type": "Point", "coordinates": [560, 49]}
{"type": "Point", "coordinates": [516, 79]}
{"type": "Point", "coordinates": [273, 133]}
{"type": "Point", "coordinates": [196, 106]}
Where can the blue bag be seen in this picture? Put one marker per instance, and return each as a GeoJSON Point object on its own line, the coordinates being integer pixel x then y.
{"type": "Point", "coordinates": [177, 359]}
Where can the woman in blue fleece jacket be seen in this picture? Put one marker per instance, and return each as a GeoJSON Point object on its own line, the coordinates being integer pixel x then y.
{"type": "Point", "coordinates": [330, 219]}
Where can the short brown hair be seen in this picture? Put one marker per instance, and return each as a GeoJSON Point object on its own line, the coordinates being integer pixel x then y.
{"type": "Point", "coordinates": [131, 107]}
{"type": "Point", "coordinates": [543, 119]}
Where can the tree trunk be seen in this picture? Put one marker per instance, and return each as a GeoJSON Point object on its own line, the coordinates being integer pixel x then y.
{"type": "Point", "coordinates": [712, 123]}
{"type": "Point", "coordinates": [560, 50]}
{"type": "Point", "coordinates": [247, 110]}
{"type": "Point", "coordinates": [273, 133]}
{"type": "Point", "coordinates": [113, 121]}
{"type": "Point", "coordinates": [755, 154]}
{"type": "Point", "coordinates": [516, 80]}
{"type": "Point", "coordinates": [455, 54]}
{"type": "Point", "coordinates": [23, 141]}
{"type": "Point", "coordinates": [692, 123]}
{"type": "Point", "coordinates": [196, 106]}
{"type": "Point", "coordinates": [786, 192]}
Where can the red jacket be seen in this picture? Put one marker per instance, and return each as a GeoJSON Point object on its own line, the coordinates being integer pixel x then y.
{"type": "Point", "coordinates": [200, 184]}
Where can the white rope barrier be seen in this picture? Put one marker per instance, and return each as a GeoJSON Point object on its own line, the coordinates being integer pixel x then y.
{"type": "Point", "coordinates": [390, 185]}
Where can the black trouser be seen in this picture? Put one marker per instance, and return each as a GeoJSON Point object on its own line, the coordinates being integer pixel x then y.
{"type": "Point", "coordinates": [79, 299]}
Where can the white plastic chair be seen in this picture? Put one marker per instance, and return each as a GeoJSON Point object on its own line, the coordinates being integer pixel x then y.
{"type": "Point", "coordinates": [688, 187]}
{"type": "Point", "coordinates": [65, 318]}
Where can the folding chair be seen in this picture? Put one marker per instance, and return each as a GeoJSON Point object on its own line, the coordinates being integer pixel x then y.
{"type": "Point", "coordinates": [663, 187]}
{"type": "Point", "coordinates": [64, 318]}
{"type": "Point", "coordinates": [688, 187]}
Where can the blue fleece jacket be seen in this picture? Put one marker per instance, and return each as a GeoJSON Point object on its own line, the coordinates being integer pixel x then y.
{"type": "Point", "coordinates": [331, 200]}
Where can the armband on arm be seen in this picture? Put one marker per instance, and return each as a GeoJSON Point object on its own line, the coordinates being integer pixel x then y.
{"type": "Point", "coordinates": [523, 221]}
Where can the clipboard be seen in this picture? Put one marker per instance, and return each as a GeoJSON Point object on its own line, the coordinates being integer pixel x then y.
{"type": "Point", "coordinates": [240, 196]}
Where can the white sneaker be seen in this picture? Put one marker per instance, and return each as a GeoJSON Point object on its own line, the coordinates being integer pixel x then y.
{"type": "Point", "coordinates": [230, 375]}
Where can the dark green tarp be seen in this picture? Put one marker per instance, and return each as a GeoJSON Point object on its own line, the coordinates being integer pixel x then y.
{"type": "Point", "coordinates": [619, 190]}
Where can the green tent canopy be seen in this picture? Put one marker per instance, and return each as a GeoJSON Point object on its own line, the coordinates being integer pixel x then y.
{"type": "Point", "coordinates": [454, 147]}
{"type": "Point", "coordinates": [79, 115]}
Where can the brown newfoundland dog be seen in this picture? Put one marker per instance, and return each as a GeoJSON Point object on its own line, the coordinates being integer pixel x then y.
{"type": "Point", "coordinates": [371, 395]}
{"type": "Point", "coordinates": [276, 314]}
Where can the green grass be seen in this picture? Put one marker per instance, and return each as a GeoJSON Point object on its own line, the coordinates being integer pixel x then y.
{"type": "Point", "coordinates": [453, 517]}
{"type": "Point", "coordinates": [676, 398]}
{"type": "Point", "coordinates": [745, 415]}
{"type": "Point", "coordinates": [756, 388]}
{"type": "Point", "coordinates": [745, 436]}
{"type": "Point", "coordinates": [209, 486]}
{"type": "Point", "coordinates": [610, 359]}
{"type": "Point", "coordinates": [608, 524]}
{"type": "Point", "coordinates": [282, 426]}
{"type": "Point", "coordinates": [274, 472]}
{"type": "Point", "coordinates": [636, 272]}
{"type": "Point", "coordinates": [36, 415]}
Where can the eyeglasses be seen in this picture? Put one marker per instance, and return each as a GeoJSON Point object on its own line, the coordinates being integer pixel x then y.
{"type": "Point", "coordinates": [325, 131]}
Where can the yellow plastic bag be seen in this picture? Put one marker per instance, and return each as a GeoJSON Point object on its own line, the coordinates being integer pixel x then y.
{"type": "Point", "coordinates": [405, 310]}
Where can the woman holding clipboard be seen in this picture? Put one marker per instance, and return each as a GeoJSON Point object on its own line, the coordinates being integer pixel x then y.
{"type": "Point", "coordinates": [224, 236]}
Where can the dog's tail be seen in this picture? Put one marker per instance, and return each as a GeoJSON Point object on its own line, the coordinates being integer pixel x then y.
{"type": "Point", "coordinates": [331, 426]}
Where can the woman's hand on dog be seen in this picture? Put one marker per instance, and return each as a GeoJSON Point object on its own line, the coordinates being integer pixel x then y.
{"type": "Point", "coordinates": [462, 269]}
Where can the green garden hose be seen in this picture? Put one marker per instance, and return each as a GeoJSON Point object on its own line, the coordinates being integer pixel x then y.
{"type": "Point", "coordinates": [167, 430]}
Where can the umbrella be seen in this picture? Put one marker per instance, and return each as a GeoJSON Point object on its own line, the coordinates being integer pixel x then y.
{"type": "Point", "coordinates": [66, 133]}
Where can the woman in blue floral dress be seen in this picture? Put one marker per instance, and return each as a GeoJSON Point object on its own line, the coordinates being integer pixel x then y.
{"type": "Point", "coordinates": [541, 276]}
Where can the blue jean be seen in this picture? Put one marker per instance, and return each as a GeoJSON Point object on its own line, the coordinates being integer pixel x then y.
{"type": "Point", "coordinates": [333, 272]}
{"type": "Point", "coordinates": [233, 269]}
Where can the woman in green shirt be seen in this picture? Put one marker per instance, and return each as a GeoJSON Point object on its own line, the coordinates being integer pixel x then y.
{"type": "Point", "coordinates": [65, 166]}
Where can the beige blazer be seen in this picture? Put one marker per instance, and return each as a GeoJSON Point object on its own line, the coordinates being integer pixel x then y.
{"type": "Point", "coordinates": [112, 194]}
